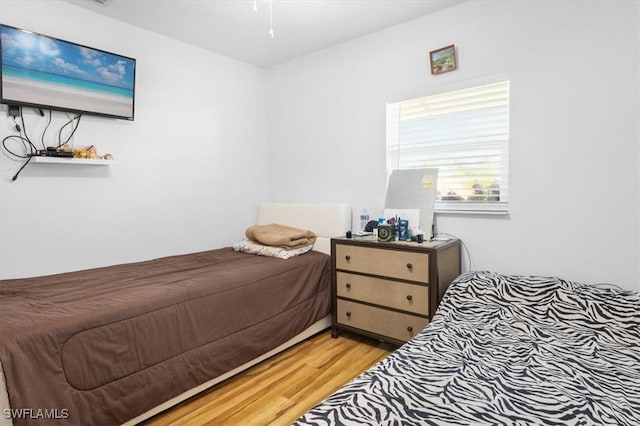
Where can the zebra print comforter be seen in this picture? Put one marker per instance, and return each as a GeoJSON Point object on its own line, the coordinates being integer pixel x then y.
{"type": "Point", "coordinates": [506, 350]}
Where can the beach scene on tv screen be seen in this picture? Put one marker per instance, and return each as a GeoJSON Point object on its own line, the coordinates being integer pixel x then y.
{"type": "Point", "coordinates": [45, 71]}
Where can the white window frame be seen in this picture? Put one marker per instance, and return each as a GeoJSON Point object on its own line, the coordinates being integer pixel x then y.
{"type": "Point", "coordinates": [464, 206]}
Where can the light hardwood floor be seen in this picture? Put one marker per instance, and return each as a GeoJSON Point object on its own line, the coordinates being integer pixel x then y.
{"type": "Point", "coordinates": [280, 389]}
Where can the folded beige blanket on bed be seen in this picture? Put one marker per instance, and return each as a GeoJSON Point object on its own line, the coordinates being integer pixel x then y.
{"type": "Point", "coordinates": [280, 235]}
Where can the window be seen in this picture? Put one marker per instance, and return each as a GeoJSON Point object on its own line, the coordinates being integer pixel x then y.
{"type": "Point", "coordinates": [465, 134]}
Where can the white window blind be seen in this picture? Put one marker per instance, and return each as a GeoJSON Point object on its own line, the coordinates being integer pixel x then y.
{"type": "Point", "coordinates": [465, 134]}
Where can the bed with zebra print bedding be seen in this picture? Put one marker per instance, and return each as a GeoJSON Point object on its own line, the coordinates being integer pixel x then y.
{"type": "Point", "coordinates": [506, 350]}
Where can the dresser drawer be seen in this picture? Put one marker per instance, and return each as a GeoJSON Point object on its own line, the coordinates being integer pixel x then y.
{"type": "Point", "coordinates": [404, 265]}
{"type": "Point", "coordinates": [407, 297]}
{"type": "Point", "coordinates": [392, 324]}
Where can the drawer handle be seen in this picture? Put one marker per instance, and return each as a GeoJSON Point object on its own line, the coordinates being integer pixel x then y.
{"type": "Point", "coordinates": [409, 329]}
{"type": "Point", "coordinates": [409, 297]}
{"type": "Point", "coordinates": [348, 285]}
{"type": "Point", "coordinates": [349, 314]}
{"type": "Point", "coordinates": [347, 258]}
{"type": "Point", "coordinates": [409, 266]}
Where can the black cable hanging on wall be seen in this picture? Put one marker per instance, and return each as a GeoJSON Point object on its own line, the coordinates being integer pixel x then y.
{"type": "Point", "coordinates": [29, 148]}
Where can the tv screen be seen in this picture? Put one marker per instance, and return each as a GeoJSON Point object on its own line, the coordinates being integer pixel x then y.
{"type": "Point", "coordinates": [46, 72]}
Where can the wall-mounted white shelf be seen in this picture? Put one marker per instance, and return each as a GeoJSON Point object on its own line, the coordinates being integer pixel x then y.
{"type": "Point", "coordinates": [75, 161]}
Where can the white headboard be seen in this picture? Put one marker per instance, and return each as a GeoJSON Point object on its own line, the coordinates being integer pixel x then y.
{"type": "Point", "coordinates": [327, 220]}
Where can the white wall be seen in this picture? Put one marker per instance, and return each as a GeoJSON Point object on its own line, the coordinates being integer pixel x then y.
{"type": "Point", "coordinates": [200, 121]}
{"type": "Point", "coordinates": [574, 159]}
{"type": "Point", "coordinates": [191, 166]}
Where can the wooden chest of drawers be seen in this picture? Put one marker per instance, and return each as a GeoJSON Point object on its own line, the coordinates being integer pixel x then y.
{"type": "Point", "coordinates": [389, 291]}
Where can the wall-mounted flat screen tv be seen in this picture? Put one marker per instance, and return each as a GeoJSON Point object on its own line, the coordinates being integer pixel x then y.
{"type": "Point", "coordinates": [45, 72]}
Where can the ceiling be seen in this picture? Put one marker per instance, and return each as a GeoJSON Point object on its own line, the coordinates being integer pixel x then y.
{"type": "Point", "coordinates": [234, 29]}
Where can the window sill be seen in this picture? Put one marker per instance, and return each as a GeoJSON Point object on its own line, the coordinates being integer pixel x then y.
{"type": "Point", "coordinates": [471, 207]}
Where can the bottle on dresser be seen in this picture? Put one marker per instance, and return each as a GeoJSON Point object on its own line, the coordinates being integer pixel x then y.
{"type": "Point", "coordinates": [364, 219]}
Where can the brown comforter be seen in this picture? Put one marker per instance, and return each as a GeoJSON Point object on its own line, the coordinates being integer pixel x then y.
{"type": "Point", "coordinates": [108, 344]}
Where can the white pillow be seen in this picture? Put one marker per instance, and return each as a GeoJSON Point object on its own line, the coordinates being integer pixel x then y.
{"type": "Point", "coordinates": [251, 247]}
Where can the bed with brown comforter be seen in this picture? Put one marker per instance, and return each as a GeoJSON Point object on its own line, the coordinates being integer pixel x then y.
{"type": "Point", "coordinates": [104, 345]}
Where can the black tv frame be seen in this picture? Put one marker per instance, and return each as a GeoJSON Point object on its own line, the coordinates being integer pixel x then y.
{"type": "Point", "coordinates": [22, 103]}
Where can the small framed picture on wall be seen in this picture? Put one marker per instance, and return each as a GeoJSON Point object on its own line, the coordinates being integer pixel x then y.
{"type": "Point", "coordinates": [443, 59]}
